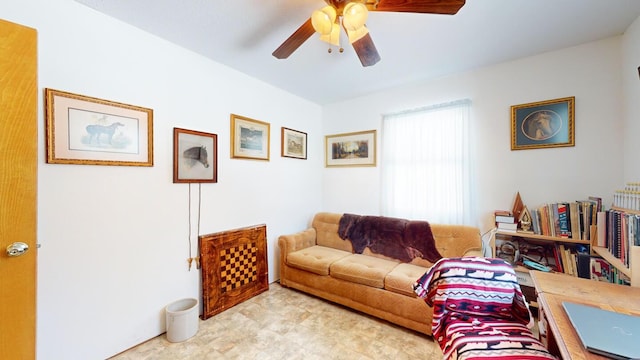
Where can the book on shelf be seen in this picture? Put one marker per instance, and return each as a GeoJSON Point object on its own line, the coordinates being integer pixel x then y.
{"type": "Point", "coordinates": [601, 238]}
{"type": "Point", "coordinates": [513, 227]}
{"type": "Point", "coordinates": [502, 213]}
{"type": "Point", "coordinates": [574, 219]}
{"type": "Point", "coordinates": [505, 219]}
{"type": "Point", "coordinates": [563, 221]}
{"type": "Point", "coordinates": [597, 201]}
{"type": "Point", "coordinates": [504, 216]}
{"type": "Point", "coordinates": [557, 258]}
{"type": "Point", "coordinates": [555, 229]}
{"type": "Point", "coordinates": [583, 265]}
{"type": "Point", "coordinates": [566, 260]}
{"type": "Point", "coordinates": [543, 214]}
{"type": "Point", "coordinates": [535, 222]}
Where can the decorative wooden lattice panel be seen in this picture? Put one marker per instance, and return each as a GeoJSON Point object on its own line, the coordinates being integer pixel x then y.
{"type": "Point", "coordinates": [234, 267]}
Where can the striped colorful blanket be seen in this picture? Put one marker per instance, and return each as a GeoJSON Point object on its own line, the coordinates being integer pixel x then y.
{"type": "Point", "coordinates": [479, 311]}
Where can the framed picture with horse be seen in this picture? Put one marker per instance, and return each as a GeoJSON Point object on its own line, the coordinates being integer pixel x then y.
{"type": "Point", "coordinates": [85, 130]}
{"type": "Point", "coordinates": [195, 156]}
{"type": "Point", "coordinates": [543, 124]}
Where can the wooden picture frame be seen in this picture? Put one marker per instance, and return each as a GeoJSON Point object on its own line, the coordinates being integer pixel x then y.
{"type": "Point", "coordinates": [195, 156]}
{"type": "Point", "coordinates": [293, 143]}
{"type": "Point", "coordinates": [543, 124]}
{"type": "Point", "coordinates": [85, 130]}
{"type": "Point", "coordinates": [351, 149]}
{"type": "Point", "coordinates": [250, 138]}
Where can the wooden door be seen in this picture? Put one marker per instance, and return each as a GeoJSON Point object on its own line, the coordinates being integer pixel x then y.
{"type": "Point", "coordinates": [18, 159]}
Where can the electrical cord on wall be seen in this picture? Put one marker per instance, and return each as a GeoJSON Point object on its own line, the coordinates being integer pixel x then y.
{"type": "Point", "coordinates": [191, 258]}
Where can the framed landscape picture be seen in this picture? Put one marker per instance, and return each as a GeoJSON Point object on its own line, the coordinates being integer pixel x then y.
{"type": "Point", "coordinates": [294, 143]}
{"type": "Point", "coordinates": [195, 156]}
{"type": "Point", "coordinates": [249, 138]}
{"type": "Point", "coordinates": [543, 124]}
{"type": "Point", "coordinates": [90, 131]}
{"type": "Point", "coordinates": [351, 149]}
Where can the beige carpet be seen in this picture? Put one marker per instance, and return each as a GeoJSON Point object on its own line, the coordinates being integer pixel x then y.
{"type": "Point", "coordinates": [286, 324]}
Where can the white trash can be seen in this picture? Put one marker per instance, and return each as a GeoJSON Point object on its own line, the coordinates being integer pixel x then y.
{"type": "Point", "coordinates": [182, 319]}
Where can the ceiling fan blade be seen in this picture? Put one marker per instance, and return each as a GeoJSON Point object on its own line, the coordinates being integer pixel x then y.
{"type": "Point", "coordinates": [447, 7]}
{"type": "Point", "coordinates": [366, 50]}
{"type": "Point", "coordinates": [295, 40]}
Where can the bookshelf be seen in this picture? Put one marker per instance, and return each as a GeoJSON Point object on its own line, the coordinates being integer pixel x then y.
{"type": "Point", "coordinates": [546, 238]}
{"type": "Point", "coordinates": [634, 255]}
{"type": "Point", "coordinates": [501, 235]}
{"type": "Point", "coordinates": [523, 273]}
{"type": "Point", "coordinates": [603, 252]}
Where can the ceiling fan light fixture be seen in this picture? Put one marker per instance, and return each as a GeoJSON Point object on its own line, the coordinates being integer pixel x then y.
{"type": "Point", "coordinates": [354, 15]}
{"type": "Point", "coordinates": [333, 37]}
{"type": "Point", "coordinates": [354, 18]}
{"type": "Point", "coordinates": [323, 20]}
{"type": "Point", "coordinates": [355, 35]}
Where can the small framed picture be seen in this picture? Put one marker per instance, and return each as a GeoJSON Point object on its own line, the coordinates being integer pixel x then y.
{"type": "Point", "coordinates": [294, 143]}
{"type": "Point", "coordinates": [195, 156]}
{"type": "Point", "coordinates": [249, 138]}
{"type": "Point", "coordinates": [85, 130]}
{"type": "Point", "coordinates": [351, 149]}
{"type": "Point", "coordinates": [543, 124]}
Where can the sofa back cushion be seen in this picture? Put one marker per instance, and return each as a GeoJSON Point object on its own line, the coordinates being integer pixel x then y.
{"type": "Point", "coordinates": [456, 240]}
{"type": "Point", "coordinates": [326, 225]}
{"type": "Point", "coordinates": [451, 240]}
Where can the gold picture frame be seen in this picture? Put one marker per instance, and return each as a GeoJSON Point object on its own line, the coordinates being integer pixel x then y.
{"type": "Point", "coordinates": [543, 124]}
{"type": "Point", "coordinates": [351, 149]}
{"type": "Point", "coordinates": [250, 138]}
{"type": "Point", "coordinates": [84, 130]}
{"type": "Point", "coordinates": [293, 143]}
{"type": "Point", "coordinates": [195, 156]}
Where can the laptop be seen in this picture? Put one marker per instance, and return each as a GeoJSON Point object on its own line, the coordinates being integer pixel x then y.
{"type": "Point", "coordinates": [606, 333]}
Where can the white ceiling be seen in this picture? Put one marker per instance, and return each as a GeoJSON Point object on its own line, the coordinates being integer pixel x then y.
{"type": "Point", "coordinates": [242, 34]}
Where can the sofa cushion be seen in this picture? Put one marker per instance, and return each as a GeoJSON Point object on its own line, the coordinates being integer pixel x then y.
{"type": "Point", "coordinates": [326, 225]}
{"type": "Point", "coordinates": [455, 240]}
{"type": "Point", "coordinates": [402, 278]}
{"type": "Point", "coordinates": [315, 259]}
{"type": "Point", "coordinates": [362, 269]}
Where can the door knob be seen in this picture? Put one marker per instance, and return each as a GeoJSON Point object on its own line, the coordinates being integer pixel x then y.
{"type": "Point", "coordinates": [17, 249]}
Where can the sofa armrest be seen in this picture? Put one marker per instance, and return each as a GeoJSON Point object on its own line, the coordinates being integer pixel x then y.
{"type": "Point", "coordinates": [297, 241]}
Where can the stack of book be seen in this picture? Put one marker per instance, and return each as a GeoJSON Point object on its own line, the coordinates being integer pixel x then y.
{"type": "Point", "coordinates": [505, 221]}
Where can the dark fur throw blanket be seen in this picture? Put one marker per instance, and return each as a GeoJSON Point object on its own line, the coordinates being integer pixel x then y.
{"type": "Point", "coordinates": [397, 238]}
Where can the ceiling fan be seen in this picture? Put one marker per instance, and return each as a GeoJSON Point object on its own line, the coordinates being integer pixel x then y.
{"type": "Point", "coordinates": [353, 13]}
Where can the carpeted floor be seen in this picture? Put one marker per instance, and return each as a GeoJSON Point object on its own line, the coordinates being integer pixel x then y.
{"type": "Point", "coordinates": [286, 324]}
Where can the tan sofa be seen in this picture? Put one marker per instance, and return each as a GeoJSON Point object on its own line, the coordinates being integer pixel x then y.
{"type": "Point", "coordinates": [319, 262]}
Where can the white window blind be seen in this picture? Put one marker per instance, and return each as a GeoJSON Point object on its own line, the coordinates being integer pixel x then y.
{"type": "Point", "coordinates": [426, 164]}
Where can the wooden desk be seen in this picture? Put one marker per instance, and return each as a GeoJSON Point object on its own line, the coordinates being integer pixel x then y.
{"type": "Point", "coordinates": [553, 289]}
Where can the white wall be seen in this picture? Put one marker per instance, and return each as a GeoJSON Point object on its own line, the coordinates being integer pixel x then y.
{"type": "Point", "coordinates": [631, 81]}
{"type": "Point", "coordinates": [114, 240]}
{"type": "Point", "coordinates": [590, 72]}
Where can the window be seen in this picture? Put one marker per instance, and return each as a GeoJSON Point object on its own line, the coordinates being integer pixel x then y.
{"type": "Point", "coordinates": [426, 164]}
